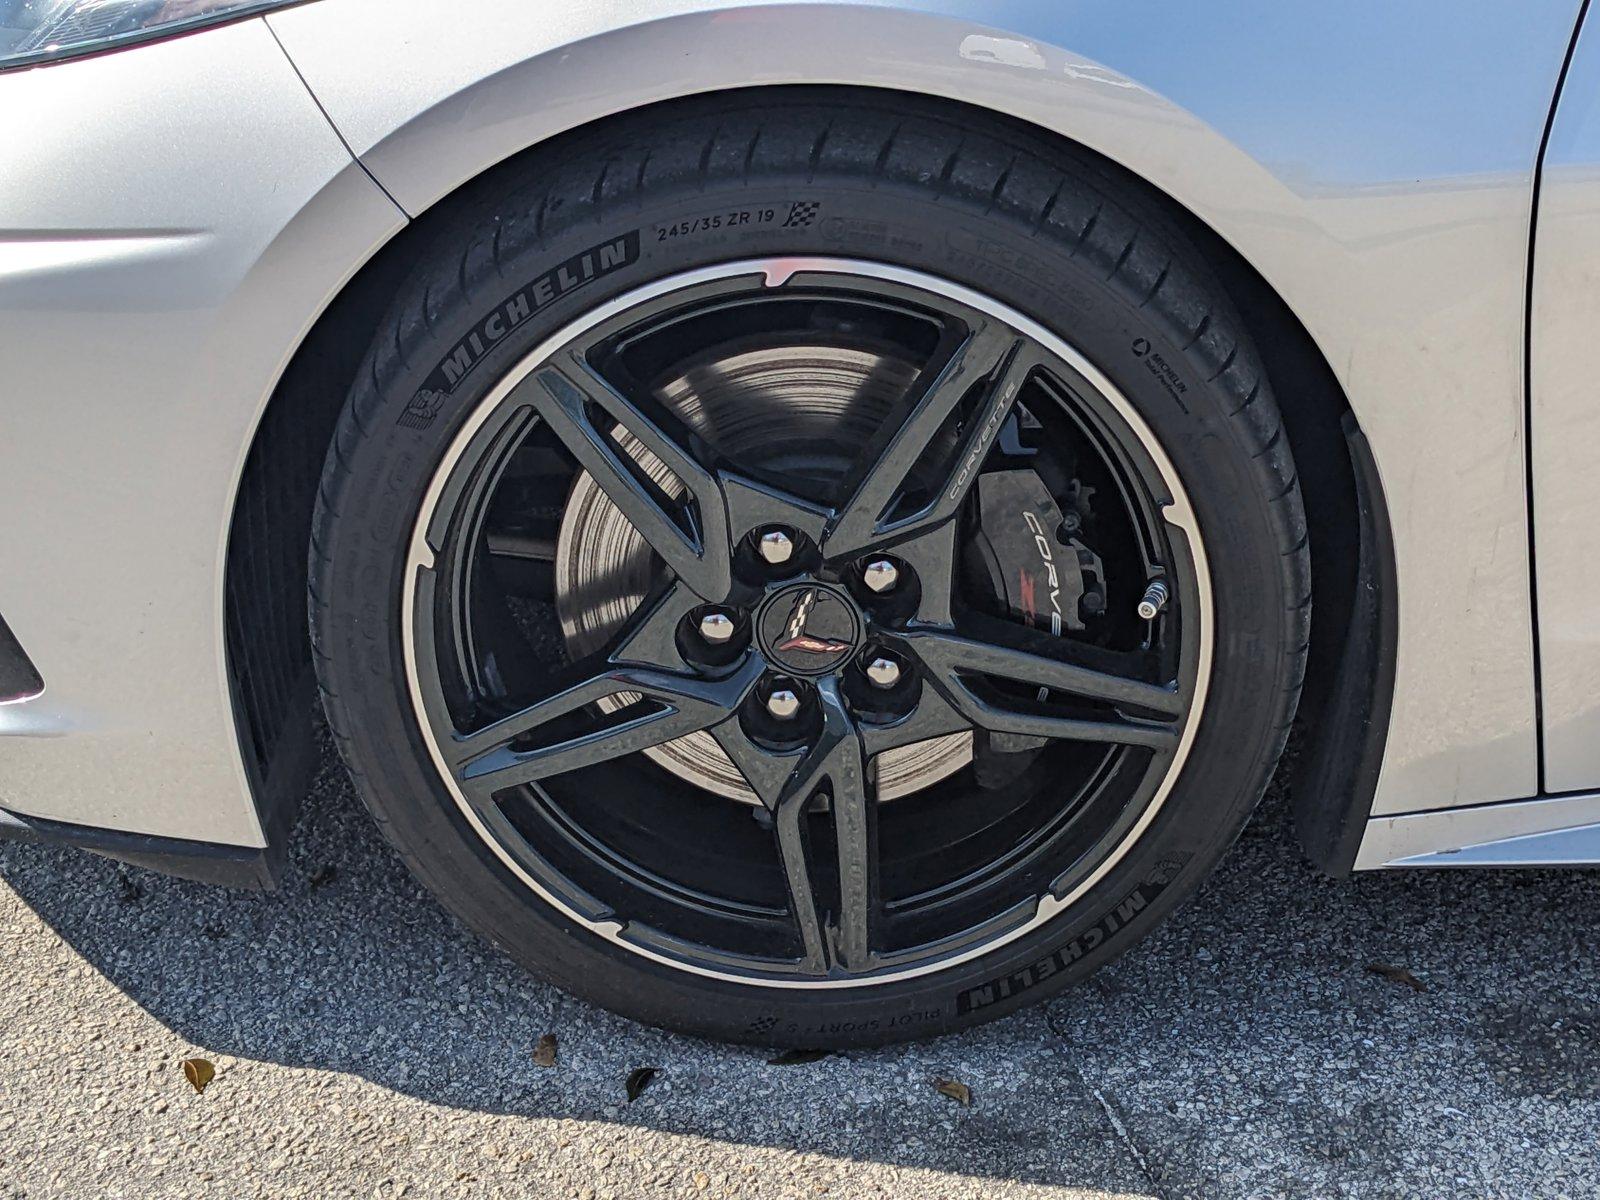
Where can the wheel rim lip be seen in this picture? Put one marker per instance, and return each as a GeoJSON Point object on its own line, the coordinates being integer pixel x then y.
{"type": "Point", "coordinates": [1177, 513]}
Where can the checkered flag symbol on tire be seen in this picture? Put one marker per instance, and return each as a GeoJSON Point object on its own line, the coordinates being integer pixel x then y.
{"type": "Point", "coordinates": [801, 212]}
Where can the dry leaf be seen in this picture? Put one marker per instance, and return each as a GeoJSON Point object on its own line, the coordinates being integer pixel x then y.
{"type": "Point", "coordinates": [794, 1058]}
{"type": "Point", "coordinates": [199, 1072]}
{"type": "Point", "coordinates": [638, 1079]}
{"type": "Point", "coordinates": [544, 1051]}
{"type": "Point", "coordinates": [1397, 975]}
{"type": "Point", "coordinates": [957, 1091]}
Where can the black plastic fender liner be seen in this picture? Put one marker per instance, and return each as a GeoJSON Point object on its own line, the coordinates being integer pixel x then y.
{"type": "Point", "coordinates": [19, 678]}
{"type": "Point", "coordinates": [1337, 777]}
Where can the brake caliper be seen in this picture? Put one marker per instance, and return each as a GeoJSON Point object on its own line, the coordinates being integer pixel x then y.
{"type": "Point", "coordinates": [1035, 568]}
{"type": "Point", "coordinates": [1026, 556]}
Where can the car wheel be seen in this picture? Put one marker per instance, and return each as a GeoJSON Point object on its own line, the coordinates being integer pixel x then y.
{"type": "Point", "coordinates": [816, 571]}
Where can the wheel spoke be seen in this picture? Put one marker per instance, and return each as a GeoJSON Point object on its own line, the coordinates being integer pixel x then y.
{"type": "Point", "coordinates": [932, 717]}
{"type": "Point", "coordinates": [855, 833]}
{"type": "Point", "coordinates": [992, 356]}
{"type": "Point", "coordinates": [752, 505]}
{"type": "Point", "coordinates": [563, 395]}
{"type": "Point", "coordinates": [651, 638]}
{"type": "Point", "coordinates": [786, 783]}
{"type": "Point", "coordinates": [794, 853]}
{"type": "Point", "coordinates": [932, 555]}
{"type": "Point", "coordinates": [1049, 665]}
{"type": "Point", "coordinates": [497, 756]}
{"type": "Point", "coordinates": [766, 771]}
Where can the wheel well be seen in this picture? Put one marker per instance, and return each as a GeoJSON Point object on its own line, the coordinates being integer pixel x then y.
{"type": "Point", "coordinates": [267, 632]}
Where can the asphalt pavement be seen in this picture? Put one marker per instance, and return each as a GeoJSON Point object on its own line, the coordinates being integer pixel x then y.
{"type": "Point", "coordinates": [366, 1045]}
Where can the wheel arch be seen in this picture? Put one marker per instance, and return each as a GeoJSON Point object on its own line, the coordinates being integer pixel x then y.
{"type": "Point", "coordinates": [1350, 675]}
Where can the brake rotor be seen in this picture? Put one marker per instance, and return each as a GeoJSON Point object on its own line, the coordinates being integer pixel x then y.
{"type": "Point", "coordinates": [795, 411]}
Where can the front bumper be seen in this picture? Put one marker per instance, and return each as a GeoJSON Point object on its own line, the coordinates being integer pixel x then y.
{"type": "Point", "coordinates": [205, 862]}
{"type": "Point", "coordinates": [173, 220]}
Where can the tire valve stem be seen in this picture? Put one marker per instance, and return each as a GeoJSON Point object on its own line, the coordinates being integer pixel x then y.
{"type": "Point", "coordinates": [1153, 600]}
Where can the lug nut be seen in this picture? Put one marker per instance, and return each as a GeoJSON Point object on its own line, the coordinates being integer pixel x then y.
{"type": "Point", "coordinates": [716, 627]}
{"type": "Point", "coordinates": [783, 704]}
{"type": "Point", "coordinates": [1153, 600]}
{"type": "Point", "coordinates": [777, 547]}
{"type": "Point", "coordinates": [880, 575]}
{"type": "Point", "coordinates": [884, 672]}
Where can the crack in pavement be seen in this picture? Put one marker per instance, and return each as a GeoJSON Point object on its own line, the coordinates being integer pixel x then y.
{"type": "Point", "coordinates": [1060, 1044]}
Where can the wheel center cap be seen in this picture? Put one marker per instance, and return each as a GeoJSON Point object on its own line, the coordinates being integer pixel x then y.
{"type": "Point", "coordinates": [809, 628]}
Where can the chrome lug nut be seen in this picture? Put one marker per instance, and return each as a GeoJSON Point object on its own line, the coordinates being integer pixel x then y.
{"type": "Point", "coordinates": [880, 575]}
{"type": "Point", "coordinates": [716, 627]}
{"type": "Point", "coordinates": [777, 547]}
{"type": "Point", "coordinates": [884, 672]}
{"type": "Point", "coordinates": [1153, 600]}
{"type": "Point", "coordinates": [783, 704]}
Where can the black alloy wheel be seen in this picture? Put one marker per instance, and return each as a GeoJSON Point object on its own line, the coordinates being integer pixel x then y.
{"type": "Point", "coordinates": [808, 607]}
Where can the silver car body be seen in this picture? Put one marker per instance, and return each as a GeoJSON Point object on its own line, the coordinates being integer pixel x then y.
{"type": "Point", "coordinates": [174, 218]}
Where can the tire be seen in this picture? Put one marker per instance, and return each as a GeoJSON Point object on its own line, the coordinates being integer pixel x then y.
{"type": "Point", "coordinates": [1041, 227]}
